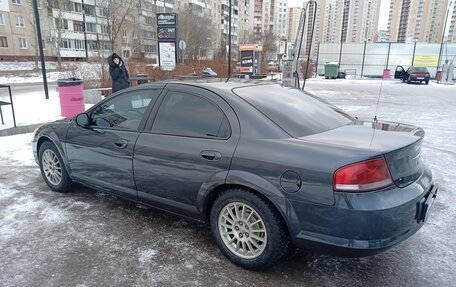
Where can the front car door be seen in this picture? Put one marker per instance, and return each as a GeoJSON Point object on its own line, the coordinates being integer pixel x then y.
{"type": "Point", "coordinates": [101, 154]}
{"type": "Point", "coordinates": [399, 73]}
{"type": "Point", "coordinates": [187, 150]}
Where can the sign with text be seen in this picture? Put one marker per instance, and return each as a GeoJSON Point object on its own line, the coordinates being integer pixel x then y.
{"type": "Point", "coordinates": [166, 33]}
{"type": "Point", "coordinates": [167, 40]}
{"type": "Point", "coordinates": [167, 55]}
{"type": "Point", "coordinates": [426, 60]}
{"type": "Point", "coordinates": [166, 19]}
{"type": "Point", "coordinates": [246, 62]}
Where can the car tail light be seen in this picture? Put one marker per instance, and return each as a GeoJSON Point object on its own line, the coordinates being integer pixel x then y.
{"type": "Point", "coordinates": [413, 75]}
{"type": "Point", "coordinates": [363, 176]}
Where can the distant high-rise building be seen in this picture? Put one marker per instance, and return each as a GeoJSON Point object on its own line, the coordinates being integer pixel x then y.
{"type": "Point", "coordinates": [293, 22]}
{"type": "Point", "coordinates": [416, 20]}
{"type": "Point", "coordinates": [268, 16]}
{"type": "Point", "coordinates": [350, 21]}
{"type": "Point", "coordinates": [451, 37]}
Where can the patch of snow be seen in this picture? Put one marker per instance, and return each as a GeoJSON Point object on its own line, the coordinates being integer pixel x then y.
{"type": "Point", "coordinates": [146, 255]}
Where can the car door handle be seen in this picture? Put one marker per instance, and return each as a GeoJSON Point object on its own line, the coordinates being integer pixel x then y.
{"type": "Point", "coordinates": [121, 144]}
{"type": "Point", "coordinates": [211, 155]}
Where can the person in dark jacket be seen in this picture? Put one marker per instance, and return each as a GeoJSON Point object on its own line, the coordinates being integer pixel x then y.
{"type": "Point", "coordinates": [118, 72]}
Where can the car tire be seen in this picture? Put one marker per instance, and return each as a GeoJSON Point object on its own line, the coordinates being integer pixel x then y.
{"type": "Point", "coordinates": [248, 229]}
{"type": "Point", "coordinates": [53, 169]}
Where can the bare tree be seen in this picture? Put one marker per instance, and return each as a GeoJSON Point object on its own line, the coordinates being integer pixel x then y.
{"type": "Point", "coordinates": [118, 15]}
{"type": "Point", "coordinates": [59, 25]}
{"type": "Point", "coordinates": [196, 33]}
{"type": "Point", "coordinates": [31, 21]}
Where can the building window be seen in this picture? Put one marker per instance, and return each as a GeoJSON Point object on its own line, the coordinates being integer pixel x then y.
{"type": "Point", "coordinates": [61, 24]}
{"type": "Point", "coordinates": [92, 45]}
{"type": "Point", "coordinates": [149, 49]}
{"type": "Point", "coordinates": [17, 2]}
{"type": "Point", "coordinates": [149, 20]}
{"type": "Point", "coordinates": [3, 42]}
{"type": "Point", "coordinates": [22, 43]}
{"type": "Point", "coordinates": [91, 27]}
{"type": "Point", "coordinates": [89, 10]}
{"type": "Point", "coordinates": [77, 7]}
{"type": "Point", "coordinates": [19, 21]}
{"type": "Point", "coordinates": [2, 19]}
{"type": "Point", "coordinates": [104, 29]}
{"type": "Point", "coordinates": [78, 26]}
{"type": "Point", "coordinates": [101, 11]}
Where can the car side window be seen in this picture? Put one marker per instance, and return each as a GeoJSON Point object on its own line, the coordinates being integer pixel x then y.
{"type": "Point", "coordinates": [188, 115]}
{"type": "Point", "coordinates": [124, 111]}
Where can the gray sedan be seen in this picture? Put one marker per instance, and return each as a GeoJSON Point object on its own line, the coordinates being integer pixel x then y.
{"type": "Point", "coordinates": [266, 167]}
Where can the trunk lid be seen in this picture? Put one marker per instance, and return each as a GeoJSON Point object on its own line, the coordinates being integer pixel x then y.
{"type": "Point", "coordinates": [400, 144]}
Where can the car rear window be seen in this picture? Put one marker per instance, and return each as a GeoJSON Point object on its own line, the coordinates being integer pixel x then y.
{"type": "Point", "coordinates": [295, 112]}
{"type": "Point", "coordinates": [420, 69]}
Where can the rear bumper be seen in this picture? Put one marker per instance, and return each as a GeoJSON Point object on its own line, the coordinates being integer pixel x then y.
{"type": "Point", "coordinates": [417, 79]}
{"type": "Point", "coordinates": [358, 226]}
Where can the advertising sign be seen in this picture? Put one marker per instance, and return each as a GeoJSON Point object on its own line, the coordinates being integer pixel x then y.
{"type": "Point", "coordinates": [167, 40]}
{"type": "Point", "coordinates": [166, 19]}
{"type": "Point", "coordinates": [166, 33]}
{"type": "Point", "coordinates": [250, 47]}
{"type": "Point", "coordinates": [246, 62]}
{"type": "Point", "coordinates": [426, 60]}
{"type": "Point", "coordinates": [167, 54]}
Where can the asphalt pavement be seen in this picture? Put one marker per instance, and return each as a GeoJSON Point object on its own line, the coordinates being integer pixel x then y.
{"type": "Point", "coordinates": [89, 238]}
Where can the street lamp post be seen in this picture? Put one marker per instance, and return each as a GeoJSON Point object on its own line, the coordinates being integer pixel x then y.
{"type": "Point", "coordinates": [229, 40]}
{"type": "Point", "coordinates": [40, 46]}
{"type": "Point", "coordinates": [443, 35]}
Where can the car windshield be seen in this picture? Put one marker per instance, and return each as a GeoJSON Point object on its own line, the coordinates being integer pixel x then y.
{"type": "Point", "coordinates": [295, 112]}
{"type": "Point", "coordinates": [420, 69]}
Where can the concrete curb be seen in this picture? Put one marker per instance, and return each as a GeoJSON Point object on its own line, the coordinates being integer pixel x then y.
{"type": "Point", "coordinates": [19, 130]}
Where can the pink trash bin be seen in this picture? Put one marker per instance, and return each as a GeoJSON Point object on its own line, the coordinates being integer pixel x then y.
{"type": "Point", "coordinates": [71, 95]}
{"type": "Point", "coordinates": [386, 74]}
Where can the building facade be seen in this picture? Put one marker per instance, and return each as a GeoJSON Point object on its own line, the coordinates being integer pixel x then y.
{"type": "Point", "coordinates": [451, 38]}
{"type": "Point", "coordinates": [416, 20]}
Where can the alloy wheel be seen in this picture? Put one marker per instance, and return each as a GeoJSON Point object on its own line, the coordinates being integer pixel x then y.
{"type": "Point", "coordinates": [242, 230]}
{"type": "Point", "coordinates": [51, 167]}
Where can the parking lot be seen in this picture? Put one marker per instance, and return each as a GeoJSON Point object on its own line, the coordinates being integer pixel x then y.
{"type": "Point", "coordinates": [88, 238]}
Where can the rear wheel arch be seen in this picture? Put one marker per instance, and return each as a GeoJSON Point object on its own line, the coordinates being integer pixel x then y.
{"type": "Point", "coordinates": [277, 236]}
{"type": "Point", "coordinates": [292, 224]}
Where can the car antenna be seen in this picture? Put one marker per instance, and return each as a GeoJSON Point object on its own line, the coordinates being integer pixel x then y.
{"type": "Point", "coordinates": [380, 91]}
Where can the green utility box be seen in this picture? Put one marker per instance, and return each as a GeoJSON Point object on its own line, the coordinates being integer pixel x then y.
{"type": "Point", "coordinates": [331, 70]}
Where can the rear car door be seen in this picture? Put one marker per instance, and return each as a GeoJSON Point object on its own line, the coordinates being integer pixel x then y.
{"type": "Point", "coordinates": [186, 149]}
{"type": "Point", "coordinates": [101, 154]}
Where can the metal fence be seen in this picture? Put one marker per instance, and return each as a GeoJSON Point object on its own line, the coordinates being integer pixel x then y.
{"type": "Point", "coordinates": [371, 59]}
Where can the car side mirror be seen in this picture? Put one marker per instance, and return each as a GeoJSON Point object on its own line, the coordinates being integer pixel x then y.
{"type": "Point", "coordinates": [82, 120]}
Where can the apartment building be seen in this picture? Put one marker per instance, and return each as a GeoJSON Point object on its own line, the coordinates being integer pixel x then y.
{"type": "Point", "coordinates": [451, 37]}
{"type": "Point", "coordinates": [17, 30]}
{"type": "Point", "coordinates": [293, 23]}
{"type": "Point", "coordinates": [81, 28]}
{"type": "Point", "coordinates": [263, 16]}
{"type": "Point", "coordinates": [416, 20]}
{"type": "Point", "coordinates": [281, 19]}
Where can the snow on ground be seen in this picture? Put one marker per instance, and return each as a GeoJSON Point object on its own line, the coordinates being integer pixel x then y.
{"type": "Point", "coordinates": [19, 72]}
{"type": "Point", "coordinates": [88, 238]}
